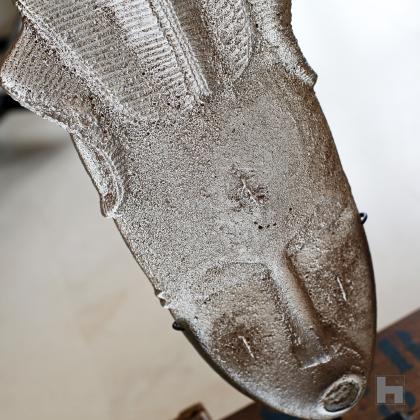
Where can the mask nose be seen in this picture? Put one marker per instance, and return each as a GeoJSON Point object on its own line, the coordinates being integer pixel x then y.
{"type": "Point", "coordinates": [308, 337]}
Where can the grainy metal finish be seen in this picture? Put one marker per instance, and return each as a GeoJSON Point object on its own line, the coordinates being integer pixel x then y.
{"type": "Point", "coordinates": [198, 124]}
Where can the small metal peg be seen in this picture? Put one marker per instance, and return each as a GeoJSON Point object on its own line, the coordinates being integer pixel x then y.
{"type": "Point", "coordinates": [363, 217]}
{"type": "Point", "coordinates": [177, 326]}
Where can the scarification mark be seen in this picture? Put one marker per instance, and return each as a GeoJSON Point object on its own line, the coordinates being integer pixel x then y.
{"type": "Point", "coordinates": [247, 346]}
{"type": "Point", "coordinates": [343, 292]}
{"type": "Point", "coordinates": [246, 192]}
{"type": "Point", "coordinates": [322, 359]}
{"type": "Point", "coordinates": [249, 192]}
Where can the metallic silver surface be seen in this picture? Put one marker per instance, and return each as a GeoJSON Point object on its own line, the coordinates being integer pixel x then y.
{"type": "Point", "coordinates": [198, 124]}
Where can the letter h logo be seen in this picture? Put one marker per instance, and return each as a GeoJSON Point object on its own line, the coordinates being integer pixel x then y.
{"type": "Point", "coordinates": [391, 387]}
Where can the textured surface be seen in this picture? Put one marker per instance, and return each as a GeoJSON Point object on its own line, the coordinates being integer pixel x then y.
{"type": "Point", "coordinates": [397, 360]}
{"type": "Point", "coordinates": [248, 230]}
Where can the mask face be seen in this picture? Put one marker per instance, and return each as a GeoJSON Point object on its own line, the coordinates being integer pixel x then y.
{"type": "Point", "coordinates": [198, 124]}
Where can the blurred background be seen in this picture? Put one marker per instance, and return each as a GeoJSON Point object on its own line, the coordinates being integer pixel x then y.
{"type": "Point", "coordinates": [82, 335]}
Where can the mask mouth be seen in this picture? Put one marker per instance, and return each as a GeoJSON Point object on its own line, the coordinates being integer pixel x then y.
{"type": "Point", "coordinates": [343, 394]}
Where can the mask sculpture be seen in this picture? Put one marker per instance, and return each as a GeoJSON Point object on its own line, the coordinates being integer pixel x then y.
{"type": "Point", "coordinates": [198, 124]}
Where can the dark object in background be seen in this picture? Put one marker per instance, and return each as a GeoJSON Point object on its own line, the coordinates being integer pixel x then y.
{"type": "Point", "coordinates": [7, 104]}
{"type": "Point", "coordinates": [4, 43]}
{"type": "Point", "coordinates": [7, 38]}
{"type": "Point", "coordinates": [197, 412]}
